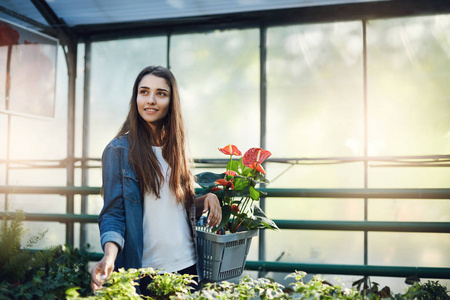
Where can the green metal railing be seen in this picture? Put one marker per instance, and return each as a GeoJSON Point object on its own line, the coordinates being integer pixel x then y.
{"type": "Point", "coordinates": [365, 270]}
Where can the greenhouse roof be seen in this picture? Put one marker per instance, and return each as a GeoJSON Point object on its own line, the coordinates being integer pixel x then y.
{"type": "Point", "coordinates": [89, 12]}
{"type": "Point", "coordinates": [97, 17]}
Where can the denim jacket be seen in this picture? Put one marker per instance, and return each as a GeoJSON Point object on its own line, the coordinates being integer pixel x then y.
{"type": "Point", "coordinates": [121, 218]}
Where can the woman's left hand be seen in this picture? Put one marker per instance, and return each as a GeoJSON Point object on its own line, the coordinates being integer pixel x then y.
{"type": "Point", "coordinates": [212, 204]}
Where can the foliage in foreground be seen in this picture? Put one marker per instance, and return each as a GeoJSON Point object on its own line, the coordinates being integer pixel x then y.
{"type": "Point", "coordinates": [45, 274]}
{"type": "Point", "coordinates": [122, 285]}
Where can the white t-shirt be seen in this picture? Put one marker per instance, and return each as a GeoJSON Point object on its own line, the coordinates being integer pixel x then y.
{"type": "Point", "coordinates": [168, 242]}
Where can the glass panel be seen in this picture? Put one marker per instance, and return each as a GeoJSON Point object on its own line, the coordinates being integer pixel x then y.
{"type": "Point", "coordinates": [3, 135]}
{"type": "Point", "coordinates": [315, 209]}
{"type": "Point", "coordinates": [55, 235]}
{"type": "Point", "coordinates": [33, 138]}
{"type": "Point", "coordinates": [93, 238]}
{"type": "Point", "coordinates": [2, 173]}
{"type": "Point", "coordinates": [38, 177]}
{"type": "Point", "coordinates": [115, 65]}
{"type": "Point", "coordinates": [305, 119]}
{"type": "Point", "coordinates": [418, 177]}
{"type": "Point", "coordinates": [51, 204]}
{"type": "Point", "coordinates": [315, 90]}
{"type": "Point", "coordinates": [409, 249]}
{"type": "Point", "coordinates": [218, 74]}
{"type": "Point", "coordinates": [409, 210]}
{"type": "Point", "coordinates": [350, 175]}
{"type": "Point", "coordinates": [28, 57]}
{"type": "Point", "coordinates": [95, 202]}
{"type": "Point", "coordinates": [408, 75]}
{"type": "Point", "coordinates": [408, 114]}
{"type": "Point", "coordinates": [315, 246]}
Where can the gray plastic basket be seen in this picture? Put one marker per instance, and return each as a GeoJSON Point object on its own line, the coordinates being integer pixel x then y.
{"type": "Point", "coordinates": [222, 257]}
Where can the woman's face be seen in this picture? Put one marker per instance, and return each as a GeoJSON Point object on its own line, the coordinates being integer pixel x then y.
{"type": "Point", "coordinates": [153, 99]}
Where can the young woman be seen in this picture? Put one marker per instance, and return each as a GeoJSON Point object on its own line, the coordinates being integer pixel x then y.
{"type": "Point", "coordinates": [149, 212]}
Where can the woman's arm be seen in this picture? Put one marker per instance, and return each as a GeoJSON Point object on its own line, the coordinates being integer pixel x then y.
{"type": "Point", "coordinates": [209, 202]}
{"type": "Point", "coordinates": [112, 217]}
{"type": "Point", "coordinates": [103, 269]}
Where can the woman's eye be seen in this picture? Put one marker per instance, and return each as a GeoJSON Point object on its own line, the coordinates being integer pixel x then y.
{"type": "Point", "coordinates": [162, 94]}
{"type": "Point", "coordinates": [143, 92]}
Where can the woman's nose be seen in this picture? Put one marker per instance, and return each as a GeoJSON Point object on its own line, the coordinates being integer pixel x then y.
{"type": "Point", "coordinates": [152, 99]}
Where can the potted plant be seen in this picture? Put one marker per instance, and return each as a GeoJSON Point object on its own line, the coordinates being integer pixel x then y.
{"type": "Point", "coordinates": [223, 250]}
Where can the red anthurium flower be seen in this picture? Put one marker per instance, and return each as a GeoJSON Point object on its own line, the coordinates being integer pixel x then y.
{"type": "Point", "coordinates": [216, 189]}
{"type": "Point", "coordinates": [258, 167]}
{"type": "Point", "coordinates": [255, 155]}
{"type": "Point", "coordinates": [230, 150]}
{"type": "Point", "coordinates": [225, 182]}
{"type": "Point", "coordinates": [231, 173]}
{"type": "Point", "coordinates": [234, 208]}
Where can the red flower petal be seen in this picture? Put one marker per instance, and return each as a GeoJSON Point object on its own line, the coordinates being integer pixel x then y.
{"type": "Point", "coordinates": [231, 173]}
{"type": "Point", "coordinates": [216, 189]}
{"type": "Point", "coordinates": [222, 182]}
{"type": "Point", "coordinates": [225, 183]}
{"type": "Point", "coordinates": [230, 150]}
{"type": "Point", "coordinates": [255, 155]}
{"type": "Point", "coordinates": [258, 167]}
{"type": "Point", "coordinates": [234, 208]}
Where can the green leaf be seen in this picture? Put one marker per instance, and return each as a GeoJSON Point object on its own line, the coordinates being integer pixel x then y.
{"type": "Point", "coordinates": [226, 213]}
{"type": "Point", "coordinates": [233, 165]}
{"type": "Point", "coordinates": [261, 217]}
{"type": "Point", "coordinates": [207, 179]}
{"type": "Point", "coordinates": [265, 180]}
{"type": "Point", "coordinates": [239, 193]}
{"type": "Point", "coordinates": [240, 183]}
{"type": "Point", "coordinates": [252, 223]}
{"type": "Point", "coordinates": [247, 171]}
{"type": "Point", "coordinates": [254, 194]}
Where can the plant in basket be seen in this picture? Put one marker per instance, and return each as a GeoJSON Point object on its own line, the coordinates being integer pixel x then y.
{"type": "Point", "coordinates": [237, 188]}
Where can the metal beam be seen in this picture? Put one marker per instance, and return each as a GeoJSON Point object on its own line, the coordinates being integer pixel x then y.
{"type": "Point", "coordinates": [61, 218]}
{"type": "Point", "coordinates": [85, 142]}
{"type": "Point", "coordinates": [263, 125]}
{"type": "Point", "coordinates": [69, 42]}
{"type": "Point", "coordinates": [50, 190]}
{"type": "Point", "coordinates": [47, 13]}
{"type": "Point", "coordinates": [361, 193]}
{"type": "Point", "coordinates": [364, 270]}
{"type": "Point", "coordinates": [424, 194]}
{"type": "Point", "coordinates": [430, 227]}
{"type": "Point", "coordinates": [434, 227]}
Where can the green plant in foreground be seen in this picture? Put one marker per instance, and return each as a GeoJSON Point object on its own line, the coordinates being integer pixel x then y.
{"type": "Point", "coordinates": [66, 267]}
{"type": "Point", "coordinates": [45, 274]}
{"type": "Point", "coordinates": [430, 290]}
{"type": "Point", "coordinates": [170, 284]}
{"type": "Point", "coordinates": [247, 288]}
{"type": "Point", "coordinates": [17, 265]}
{"type": "Point", "coordinates": [122, 285]}
{"type": "Point", "coordinates": [317, 288]}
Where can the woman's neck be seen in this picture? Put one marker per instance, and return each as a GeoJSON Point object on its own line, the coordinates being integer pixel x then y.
{"type": "Point", "coordinates": [156, 136]}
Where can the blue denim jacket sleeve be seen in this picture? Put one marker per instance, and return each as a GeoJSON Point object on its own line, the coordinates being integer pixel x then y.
{"type": "Point", "coordinates": [112, 217]}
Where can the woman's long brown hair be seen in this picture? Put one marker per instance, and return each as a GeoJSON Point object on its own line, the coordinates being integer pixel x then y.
{"type": "Point", "coordinates": [172, 136]}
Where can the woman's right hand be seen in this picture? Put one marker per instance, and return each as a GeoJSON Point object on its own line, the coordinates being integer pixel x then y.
{"type": "Point", "coordinates": [103, 269]}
